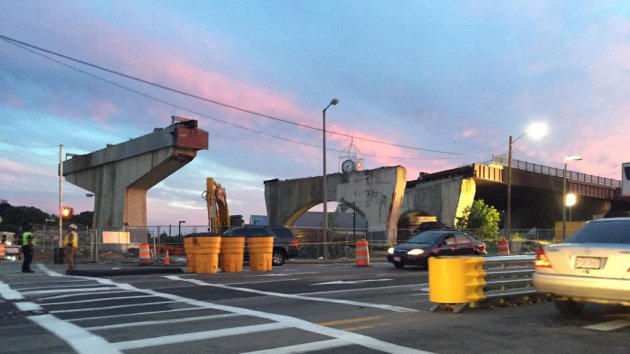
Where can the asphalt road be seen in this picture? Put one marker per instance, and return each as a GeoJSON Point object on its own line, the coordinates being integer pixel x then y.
{"type": "Point", "coordinates": [325, 308]}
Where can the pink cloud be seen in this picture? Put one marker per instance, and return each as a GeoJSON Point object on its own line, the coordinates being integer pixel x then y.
{"type": "Point", "coordinates": [12, 100]}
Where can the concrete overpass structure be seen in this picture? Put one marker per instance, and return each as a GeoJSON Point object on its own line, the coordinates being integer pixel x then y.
{"type": "Point", "coordinates": [374, 194]}
{"type": "Point", "coordinates": [120, 175]}
{"type": "Point", "coordinates": [536, 196]}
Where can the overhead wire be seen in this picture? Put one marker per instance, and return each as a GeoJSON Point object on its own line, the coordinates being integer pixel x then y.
{"type": "Point", "coordinates": [110, 82]}
{"type": "Point", "coordinates": [188, 94]}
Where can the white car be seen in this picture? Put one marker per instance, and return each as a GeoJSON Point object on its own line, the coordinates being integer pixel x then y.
{"type": "Point", "coordinates": [592, 266]}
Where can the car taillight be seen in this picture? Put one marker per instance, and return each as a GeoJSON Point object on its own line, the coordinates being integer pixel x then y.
{"type": "Point", "coordinates": [294, 243]}
{"type": "Point", "coordinates": [541, 259]}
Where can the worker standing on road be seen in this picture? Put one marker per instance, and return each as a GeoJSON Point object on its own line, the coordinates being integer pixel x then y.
{"type": "Point", "coordinates": [28, 244]}
{"type": "Point", "coordinates": [71, 243]}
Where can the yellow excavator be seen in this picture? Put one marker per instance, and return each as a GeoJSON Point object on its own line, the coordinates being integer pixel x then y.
{"type": "Point", "coordinates": [216, 200]}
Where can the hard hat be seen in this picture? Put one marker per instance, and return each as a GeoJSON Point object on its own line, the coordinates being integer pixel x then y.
{"type": "Point", "coordinates": [72, 226]}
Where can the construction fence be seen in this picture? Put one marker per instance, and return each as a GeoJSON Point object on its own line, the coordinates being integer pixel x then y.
{"type": "Point", "coordinates": [337, 244]}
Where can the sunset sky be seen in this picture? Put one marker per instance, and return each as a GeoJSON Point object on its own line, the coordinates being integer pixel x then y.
{"type": "Point", "coordinates": [450, 79]}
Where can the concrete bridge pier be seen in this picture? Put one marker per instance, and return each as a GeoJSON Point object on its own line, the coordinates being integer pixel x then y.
{"type": "Point", "coordinates": [120, 175]}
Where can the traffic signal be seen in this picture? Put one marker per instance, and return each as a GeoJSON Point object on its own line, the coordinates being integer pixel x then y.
{"type": "Point", "coordinates": [66, 213]}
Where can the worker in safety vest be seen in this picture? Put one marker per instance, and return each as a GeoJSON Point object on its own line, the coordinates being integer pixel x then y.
{"type": "Point", "coordinates": [28, 244]}
{"type": "Point", "coordinates": [71, 243]}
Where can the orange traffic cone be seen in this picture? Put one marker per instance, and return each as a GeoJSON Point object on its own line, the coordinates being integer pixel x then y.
{"type": "Point", "coordinates": [167, 260]}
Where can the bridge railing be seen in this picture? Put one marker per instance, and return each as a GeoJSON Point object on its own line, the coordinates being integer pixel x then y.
{"type": "Point", "coordinates": [558, 172]}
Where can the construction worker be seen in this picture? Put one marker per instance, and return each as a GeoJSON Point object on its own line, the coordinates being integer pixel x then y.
{"type": "Point", "coordinates": [71, 243]}
{"type": "Point", "coordinates": [28, 244]}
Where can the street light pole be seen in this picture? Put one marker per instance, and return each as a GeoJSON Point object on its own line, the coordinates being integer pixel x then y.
{"type": "Point", "coordinates": [536, 131]}
{"type": "Point", "coordinates": [179, 232]}
{"type": "Point", "coordinates": [333, 102]}
{"type": "Point", "coordinates": [564, 193]}
{"type": "Point", "coordinates": [508, 216]}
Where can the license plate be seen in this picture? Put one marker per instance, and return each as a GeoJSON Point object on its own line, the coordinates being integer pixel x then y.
{"type": "Point", "coordinates": [588, 262]}
{"type": "Point", "coordinates": [396, 259]}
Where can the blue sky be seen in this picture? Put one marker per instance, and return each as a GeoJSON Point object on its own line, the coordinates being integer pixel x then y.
{"type": "Point", "coordinates": [452, 76]}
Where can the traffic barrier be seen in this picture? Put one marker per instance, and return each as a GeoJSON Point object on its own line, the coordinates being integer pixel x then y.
{"type": "Point", "coordinates": [455, 283]}
{"type": "Point", "coordinates": [456, 280]}
{"type": "Point", "coordinates": [504, 247]}
{"type": "Point", "coordinates": [260, 250]}
{"type": "Point", "coordinates": [167, 259]}
{"type": "Point", "coordinates": [232, 252]}
{"type": "Point", "coordinates": [362, 253]}
{"type": "Point", "coordinates": [207, 249]}
{"type": "Point", "coordinates": [2, 252]}
{"type": "Point", "coordinates": [190, 254]}
{"type": "Point", "coordinates": [144, 255]}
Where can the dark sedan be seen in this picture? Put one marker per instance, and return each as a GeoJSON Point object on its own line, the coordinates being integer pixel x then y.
{"type": "Point", "coordinates": [418, 249]}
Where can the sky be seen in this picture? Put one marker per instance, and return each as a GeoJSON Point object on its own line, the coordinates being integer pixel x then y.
{"type": "Point", "coordinates": [428, 85]}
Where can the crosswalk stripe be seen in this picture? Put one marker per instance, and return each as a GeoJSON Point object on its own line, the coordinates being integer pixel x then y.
{"type": "Point", "coordinates": [306, 347]}
{"type": "Point", "coordinates": [609, 326]}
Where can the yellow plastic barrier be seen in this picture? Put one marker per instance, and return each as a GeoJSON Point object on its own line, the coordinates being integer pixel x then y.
{"type": "Point", "coordinates": [260, 253]}
{"type": "Point", "coordinates": [232, 252]}
{"type": "Point", "coordinates": [206, 251]}
{"type": "Point", "coordinates": [456, 280]}
{"type": "Point", "coordinates": [202, 253]}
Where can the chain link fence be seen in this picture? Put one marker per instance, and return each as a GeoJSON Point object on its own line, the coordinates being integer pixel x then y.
{"type": "Point", "coordinates": [340, 244]}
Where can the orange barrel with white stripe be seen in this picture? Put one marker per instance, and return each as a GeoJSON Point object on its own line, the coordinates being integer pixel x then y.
{"type": "Point", "coordinates": [504, 247]}
{"type": "Point", "coordinates": [2, 251]}
{"type": "Point", "coordinates": [362, 253]}
{"type": "Point", "coordinates": [260, 250]}
{"type": "Point", "coordinates": [144, 255]}
{"type": "Point", "coordinates": [232, 253]}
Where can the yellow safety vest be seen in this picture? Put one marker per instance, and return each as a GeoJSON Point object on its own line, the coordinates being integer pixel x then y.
{"type": "Point", "coordinates": [27, 238]}
{"type": "Point", "coordinates": [72, 239]}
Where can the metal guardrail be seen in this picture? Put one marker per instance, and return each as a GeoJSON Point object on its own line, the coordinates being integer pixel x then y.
{"type": "Point", "coordinates": [506, 280]}
{"type": "Point", "coordinates": [558, 172]}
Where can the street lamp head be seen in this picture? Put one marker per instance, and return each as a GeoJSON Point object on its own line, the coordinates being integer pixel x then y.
{"type": "Point", "coordinates": [334, 101]}
{"type": "Point", "coordinates": [537, 130]}
{"type": "Point", "coordinates": [573, 158]}
{"type": "Point", "coordinates": [570, 199]}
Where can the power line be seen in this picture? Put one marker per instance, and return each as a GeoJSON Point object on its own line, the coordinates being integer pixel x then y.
{"type": "Point", "coordinates": [184, 93]}
{"type": "Point", "coordinates": [206, 115]}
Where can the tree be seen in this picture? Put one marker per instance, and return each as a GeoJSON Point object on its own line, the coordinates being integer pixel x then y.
{"type": "Point", "coordinates": [480, 217]}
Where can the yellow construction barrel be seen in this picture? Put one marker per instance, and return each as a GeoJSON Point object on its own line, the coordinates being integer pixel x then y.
{"type": "Point", "coordinates": [260, 250]}
{"type": "Point", "coordinates": [232, 252]}
{"type": "Point", "coordinates": [202, 252]}
{"type": "Point", "coordinates": [456, 280]}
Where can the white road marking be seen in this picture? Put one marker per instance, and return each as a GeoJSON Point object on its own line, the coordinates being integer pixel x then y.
{"type": "Point", "coordinates": [27, 306]}
{"type": "Point", "coordinates": [187, 337]}
{"type": "Point", "coordinates": [9, 294]}
{"type": "Point", "coordinates": [297, 297]}
{"type": "Point", "coordinates": [82, 294]}
{"type": "Point", "coordinates": [135, 314]}
{"type": "Point", "coordinates": [61, 291]}
{"type": "Point", "coordinates": [303, 348]}
{"type": "Point", "coordinates": [114, 307]}
{"type": "Point", "coordinates": [282, 274]}
{"type": "Point", "coordinates": [340, 282]}
{"type": "Point", "coordinates": [78, 338]}
{"type": "Point", "coordinates": [363, 289]}
{"type": "Point", "coordinates": [48, 271]}
{"type": "Point", "coordinates": [97, 300]}
{"type": "Point", "coordinates": [610, 326]}
{"type": "Point", "coordinates": [260, 282]}
{"type": "Point", "coordinates": [159, 322]}
{"type": "Point", "coordinates": [285, 321]}
{"type": "Point", "coordinates": [43, 287]}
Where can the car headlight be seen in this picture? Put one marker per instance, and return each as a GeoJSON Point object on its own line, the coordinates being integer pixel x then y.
{"type": "Point", "coordinates": [415, 252]}
{"type": "Point", "coordinates": [390, 250]}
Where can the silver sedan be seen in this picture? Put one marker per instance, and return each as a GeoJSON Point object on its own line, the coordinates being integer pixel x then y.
{"type": "Point", "coordinates": [592, 266]}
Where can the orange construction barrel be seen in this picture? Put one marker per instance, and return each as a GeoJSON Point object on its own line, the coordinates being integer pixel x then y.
{"type": "Point", "coordinates": [144, 254]}
{"type": "Point", "coordinates": [362, 253]}
{"type": "Point", "coordinates": [2, 251]}
{"type": "Point", "coordinates": [260, 250]}
{"type": "Point", "coordinates": [504, 247]}
{"type": "Point", "coordinates": [232, 251]}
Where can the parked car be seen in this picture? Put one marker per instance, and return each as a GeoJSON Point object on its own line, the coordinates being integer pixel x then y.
{"type": "Point", "coordinates": [418, 249]}
{"type": "Point", "coordinates": [285, 245]}
{"type": "Point", "coordinates": [591, 266]}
